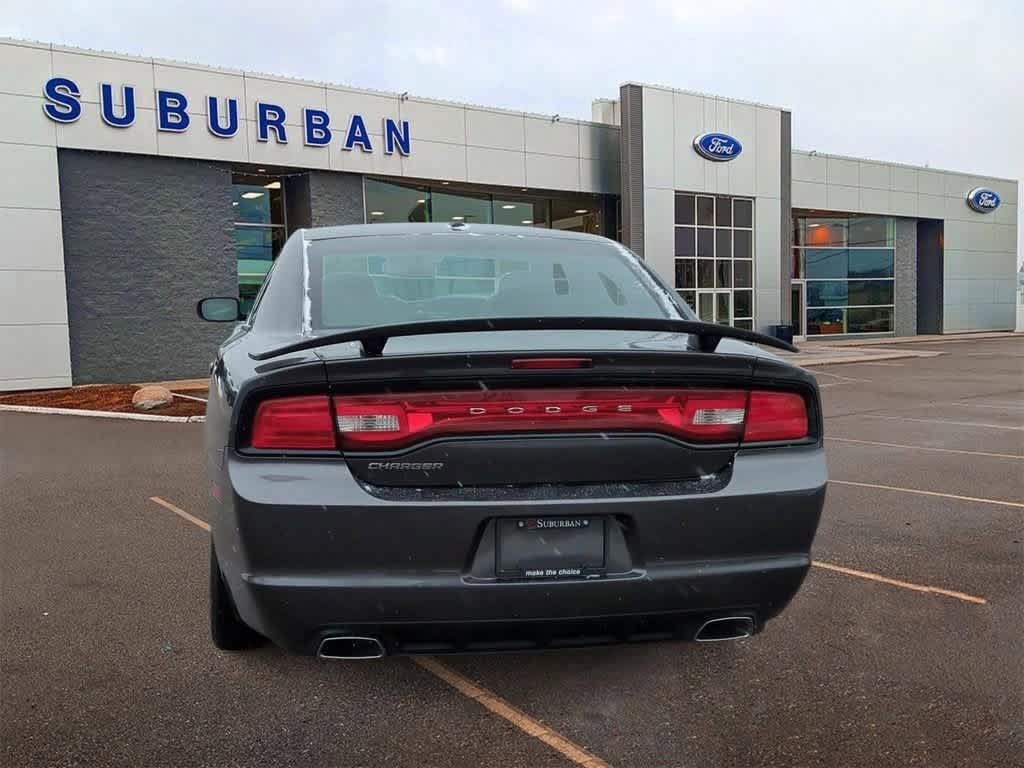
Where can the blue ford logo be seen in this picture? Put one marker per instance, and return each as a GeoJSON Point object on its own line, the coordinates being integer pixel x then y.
{"type": "Point", "coordinates": [983, 200]}
{"type": "Point", "coordinates": [717, 146]}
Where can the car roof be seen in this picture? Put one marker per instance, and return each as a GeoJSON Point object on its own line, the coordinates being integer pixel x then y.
{"type": "Point", "coordinates": [368, 230]}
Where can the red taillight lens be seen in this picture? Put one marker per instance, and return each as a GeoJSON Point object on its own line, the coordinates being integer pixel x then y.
{"type": "Point", "coordinates": [370, 422]}
{"type": "Point", "coordinates": [295, 423]}
{"type": "Point", "coordinates": [775, 416]}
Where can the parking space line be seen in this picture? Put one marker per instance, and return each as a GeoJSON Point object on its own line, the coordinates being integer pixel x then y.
{"type": "Point", "coordinates": [943, 421]}
{"type": "Point", "coordinates": [927, 448]}
{"type": "Point", "coordinates": [998, 502]}
{"type": "Point", "coordinates": [498, 706]}
{"type": "Point", "coordinates": [841, 378]}
{"type": "Point", "coordinates": [898, 583]}
{"type": "Point", "coordinates": [997, 407]}
{"type": "Point", "coordinates": [492, 702]}
{"type": "Point", "coordinates": [181, 513]}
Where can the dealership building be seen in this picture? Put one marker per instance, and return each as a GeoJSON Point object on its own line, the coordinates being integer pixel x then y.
{"type": "Point", "coordinates": [135, 186]}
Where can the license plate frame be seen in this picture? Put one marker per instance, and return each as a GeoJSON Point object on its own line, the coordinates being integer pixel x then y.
{"type": "Point", "coordinates": [551, 547]}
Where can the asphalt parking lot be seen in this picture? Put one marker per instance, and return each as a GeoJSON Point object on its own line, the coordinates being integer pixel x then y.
{"type": "Point", "coordinates": [905, 646]}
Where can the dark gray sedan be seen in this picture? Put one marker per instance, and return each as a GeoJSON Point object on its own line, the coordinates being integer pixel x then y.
{"type": "Point", "coordinates": [440, 438]}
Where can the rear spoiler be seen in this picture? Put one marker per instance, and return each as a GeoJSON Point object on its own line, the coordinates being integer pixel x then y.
{"type": "Point", "coordinates": [374, 338]}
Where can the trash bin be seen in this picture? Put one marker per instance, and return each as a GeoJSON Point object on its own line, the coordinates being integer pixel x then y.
{"type": "Point", "coordinates": [782, 332]}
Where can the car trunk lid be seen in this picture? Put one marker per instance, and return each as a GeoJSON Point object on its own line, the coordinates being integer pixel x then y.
{"type": "Point", "coordinates": [551, 410]}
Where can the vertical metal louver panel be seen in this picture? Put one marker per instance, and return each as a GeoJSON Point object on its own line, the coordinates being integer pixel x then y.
{"type": "Point", "coordinates": [786, 198]}
{"type": "Point", "coordinates": [632, 165]}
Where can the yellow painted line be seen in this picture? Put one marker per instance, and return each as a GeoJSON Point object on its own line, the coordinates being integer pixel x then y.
{"type": "Point", "coordinates": [998, 502]}
{"type": "Point", "coordinates": [927, 448]}
{"type": "Point", "coordinates": [181, 513]}
{"type": "Point", "coordinates": [897, 583]}
{"type": "Point", "coordinates": [498, 706]}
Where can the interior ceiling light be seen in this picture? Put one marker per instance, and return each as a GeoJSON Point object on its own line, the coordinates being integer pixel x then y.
{"type": "Point", "coordinates": [376, 213]}
{"type": "Point", "coordinates": [527, 221]}
{"type": "Point", "coordinates": [422, 200]}
{"type": "Point", "coordinates": [272, 185]}
{"type": "Point", "coordinates": [252, 195]}
{"type": "Point", "coordinates": [581, 210]}
{"type": "Point", "coordinates": [508, 207]}
{"type": "Point", "coordinates": [458, 218]}
{"type": "Point", "coordinates": [261, 170]}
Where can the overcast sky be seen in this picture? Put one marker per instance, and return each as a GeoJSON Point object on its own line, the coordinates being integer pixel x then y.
{"type": "Point", "coordinates": [937, 82]}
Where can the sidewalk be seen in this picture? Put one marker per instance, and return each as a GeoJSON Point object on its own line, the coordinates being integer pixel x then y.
{"type": "Point", "coordinates": [813, 353]}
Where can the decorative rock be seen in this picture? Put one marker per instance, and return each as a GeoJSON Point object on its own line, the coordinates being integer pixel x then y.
{"type": "Point", "coordinates": [148, 398]}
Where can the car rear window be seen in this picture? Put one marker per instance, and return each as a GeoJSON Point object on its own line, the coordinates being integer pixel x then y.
{"type": "Point", "coordinates": [363, 281]}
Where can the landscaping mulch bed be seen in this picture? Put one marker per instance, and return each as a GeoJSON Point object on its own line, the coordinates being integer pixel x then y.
{"type": "Point", "coordinates": [115, 398]}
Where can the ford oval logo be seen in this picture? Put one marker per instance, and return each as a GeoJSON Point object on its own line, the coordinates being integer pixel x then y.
{"type": "Point", "coordinates": [983, 200]}
{"type": "Point", "coordinates": [717, 146]}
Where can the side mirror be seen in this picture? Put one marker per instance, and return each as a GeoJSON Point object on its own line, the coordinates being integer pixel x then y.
{"type": "Point", "coordinates": [219, 309]}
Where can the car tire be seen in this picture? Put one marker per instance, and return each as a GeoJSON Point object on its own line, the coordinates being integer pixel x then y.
{"type": "Point", "coordinates": [228, 632]}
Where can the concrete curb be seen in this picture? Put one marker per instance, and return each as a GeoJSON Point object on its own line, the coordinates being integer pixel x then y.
{"type": "Point", "coordinates": [101, 414]}
{"type": "Point", "coordinates": [862, 358]}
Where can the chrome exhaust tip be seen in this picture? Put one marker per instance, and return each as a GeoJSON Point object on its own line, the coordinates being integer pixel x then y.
{"type": "Point", "coordinates": [725, 628]}
{"type": "Point", "coordinates": [350, 648]}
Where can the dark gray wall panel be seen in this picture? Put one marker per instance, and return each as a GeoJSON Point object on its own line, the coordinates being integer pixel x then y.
{"type": "Point", "coordinates": [905, 271]}
{"type": "Point", "coordinates": [929, 276]}
{"type": "Point", "coordinates": [296, 201]}
{"type": "Point", "coordinates": [335, 198]}
{"type": "Point", "coordinates": [144, 239]}
{"type": "Point", "coordinates": [631, 153]}
{"type": "Point", "coordinates": [786, 206]}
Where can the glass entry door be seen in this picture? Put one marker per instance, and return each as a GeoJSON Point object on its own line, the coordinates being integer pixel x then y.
{"type": "Point", "coordinates": [798, 308]}
{"type": "Point", "coordinates": [715, 306]}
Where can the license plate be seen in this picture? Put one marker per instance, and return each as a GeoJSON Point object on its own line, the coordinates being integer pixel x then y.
{"type": "Point", "coordinates": [550, 547]}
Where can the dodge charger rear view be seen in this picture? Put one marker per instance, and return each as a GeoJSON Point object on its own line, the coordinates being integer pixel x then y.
{"type": "Point", "coordinates": [433, 438]}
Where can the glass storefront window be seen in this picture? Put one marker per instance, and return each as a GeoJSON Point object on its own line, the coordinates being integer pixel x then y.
{"type": "Point", "coordinates": [575, 215]}
{"type": "Point", "coordinates": [390, 202]}
{"type": "Point", "coordinates": [705, 243]}
{"type": "Point", "coordinates": [253, 201]}
{"type": "Point", "coordinates": [869, 320]}
{"type": "Point", "coordinates": [843, 231]}
{"type": "Point", "coordinates": [714, 249]}
{"type": "Point", "coordinates": [742, 244]}
{"type": "Point", "coordinates": [826, 321]}
{"type": "Point", "coordinates": [686, 242]}
{"type": "Point", "coordinates": [526, 212]}
{"type": "Point", "coordinates": [743, 274]}
{"type": "Point", "coordinates": [847, 263]}
{"type": "Point", "coordinates": [706, 211]}
{"type": "Point", "coordinates": [685, 210]}
{"type": "Point", "coordinates": [257, 205]}
{"type": "Point", "coordinates": [872, 262]}
{"type": "Point", "coordinates": [871, 231]}
{"type": "Point", "coordinates": [828, 263]}
{"type": "Point", "coordinates": [472, 209]}
{"type": "Point", "coordinates": [743, 213]}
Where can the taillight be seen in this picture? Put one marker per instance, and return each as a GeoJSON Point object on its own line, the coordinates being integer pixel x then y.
{"type": "Point", "coordinates": [293, 423]}
{"type": "Point", "coordinates": [775, 416]}
{"type": "Point", "coordinates": [388, 421]}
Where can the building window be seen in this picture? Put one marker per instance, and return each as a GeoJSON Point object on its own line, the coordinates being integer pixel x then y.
{"type": "Point", "coordinates": [389, 202]}
{"type": "Point", "coordinates": [714, 257]}
{"type": "Point", "coordinates": [257, 203]}
{"type": "Point", "coordinates": [847, 263]}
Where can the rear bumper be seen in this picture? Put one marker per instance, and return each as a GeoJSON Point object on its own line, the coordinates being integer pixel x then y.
{"type": "Point", "coordinates": [308, 552]}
